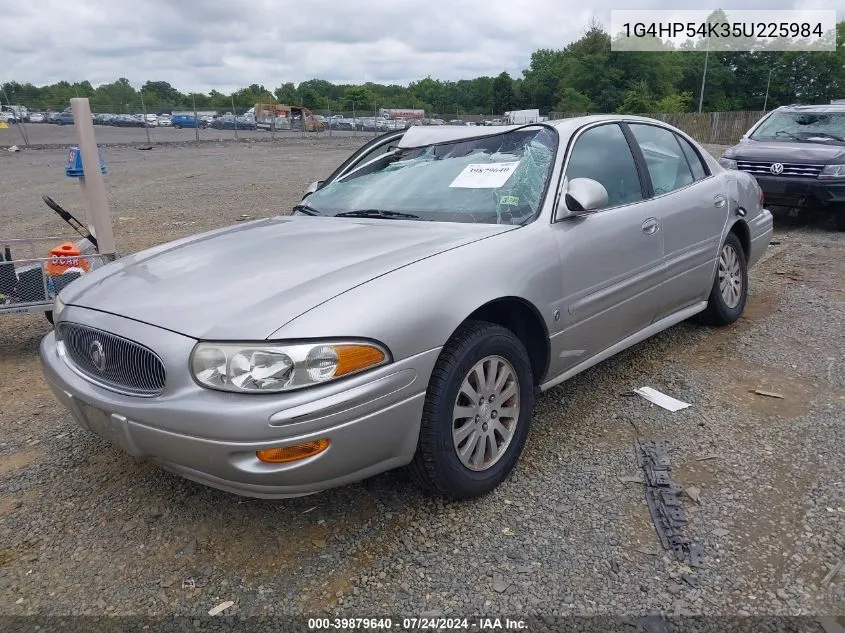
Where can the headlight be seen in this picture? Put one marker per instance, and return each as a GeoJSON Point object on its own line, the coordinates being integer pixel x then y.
{"type": "Point", "coordinates": [833, 171]}
{"type": "Point", "coordinates": [727, 163]}
{"type": "Point", "coordinates": [58, 306]}
{"type": "Point", "coordinates": [272, 367]}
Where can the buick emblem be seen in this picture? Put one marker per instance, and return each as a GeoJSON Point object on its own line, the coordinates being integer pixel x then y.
{"type": "Point", "coordinates": [98, 355]}
{"type": "Point", "coordinates": [776, 169]}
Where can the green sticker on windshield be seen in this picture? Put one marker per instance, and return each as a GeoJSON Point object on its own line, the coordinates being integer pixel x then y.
{"type": "Point", "coordinates": [509, 200]}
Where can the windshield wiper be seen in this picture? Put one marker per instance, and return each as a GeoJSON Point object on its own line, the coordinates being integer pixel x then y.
{"type": "Point", "coordinates": [306, 209]}
{"type": "Point", "coordinates": [789, 134]}
{"type": "Point", "coordinates": [824, 135]}
{"type": "Point", "coordinates": [377, 213]}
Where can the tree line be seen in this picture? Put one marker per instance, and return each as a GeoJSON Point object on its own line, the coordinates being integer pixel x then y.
{"type": "Point", "coordinates": [584, 76]}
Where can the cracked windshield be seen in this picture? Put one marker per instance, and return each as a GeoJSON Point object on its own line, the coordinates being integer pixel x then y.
{"type": "Point", "coordinates": [803, 126]}
{"type": "Point", "coordinates": [498, 179]}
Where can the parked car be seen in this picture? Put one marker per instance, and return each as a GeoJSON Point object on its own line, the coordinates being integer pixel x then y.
{"type": "Point", "coordinates": [341, 123]}
{"type": "Point", "coordinates": [231, 122]}
{"type": "Point", "coordinates": [184, 120]}
{"type": "Point", "coordinates": [797, 155]}
{"type": "Point", "coordinates": [373, 124]}
{"type": "Point", "coordinates": [62, 118]}
{"type": "Point", "coordinates": [410, 308]}
{"type": "Point", "coordinates": [37, 117]}
{"type": "Point", "coordinates": [164, 121]}
{"type": "Point", "coordinates": [126, 120]}
{"type": "Point", "coordinates": [103, 119]}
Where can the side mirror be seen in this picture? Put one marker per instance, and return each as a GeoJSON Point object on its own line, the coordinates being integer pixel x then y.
{"type": "Point", "coordinates": [312, 188]}
{"type": "Point", "coordinates": [582, 196]}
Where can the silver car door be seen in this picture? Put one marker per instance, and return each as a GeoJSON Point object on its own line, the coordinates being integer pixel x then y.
{"type": "Point", "coordinates": [692, 205]}
{"type": "Point", "coordinates": [610, 260]}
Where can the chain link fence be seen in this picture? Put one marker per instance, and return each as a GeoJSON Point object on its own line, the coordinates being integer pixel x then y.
{"type": "Point", "coordinates": [136, 122]}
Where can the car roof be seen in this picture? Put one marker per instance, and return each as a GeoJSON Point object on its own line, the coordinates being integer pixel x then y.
{"type": "Point", "coordinates": [827, 107]}
{"type": "Point", "coordinates": [422, 135]}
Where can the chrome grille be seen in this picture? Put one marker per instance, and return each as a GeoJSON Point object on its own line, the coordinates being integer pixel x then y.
{"type": "Point", "coordinates": [112, 360]}
{"type": "Point", "coordinates": [789, 169]}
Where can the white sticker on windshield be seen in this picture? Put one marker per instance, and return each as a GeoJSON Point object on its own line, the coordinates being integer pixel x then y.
{"type": "Point", "coordinates": [484, 175]}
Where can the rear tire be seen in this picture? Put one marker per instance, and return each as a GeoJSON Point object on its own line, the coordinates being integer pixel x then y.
{"type": "Point", "coordinates": [839, 220]}
{"type": "Point", "coordinates": [479, 401]}
{"type": "Point", "coordinates": [729, 292]}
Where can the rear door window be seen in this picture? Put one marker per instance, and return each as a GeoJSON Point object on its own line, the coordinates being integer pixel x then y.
{"type": "Point", "coordinates": [667, 164]}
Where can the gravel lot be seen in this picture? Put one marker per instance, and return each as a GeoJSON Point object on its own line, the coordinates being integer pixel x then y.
{"type": "Point", "coordinates": [85, 529]}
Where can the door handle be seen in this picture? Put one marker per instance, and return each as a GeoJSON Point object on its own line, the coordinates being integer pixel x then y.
{"type": "Point", "coordinates": [719, 201]}
{"type": "Point", "coordinates": [651, 226]}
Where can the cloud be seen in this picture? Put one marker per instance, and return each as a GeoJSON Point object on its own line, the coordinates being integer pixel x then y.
{"type": "Point", "coordinates": [198, 45]}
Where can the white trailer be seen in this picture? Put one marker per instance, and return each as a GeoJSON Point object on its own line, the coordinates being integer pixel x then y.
{"type": "Point", "coordinates": [520, 117]}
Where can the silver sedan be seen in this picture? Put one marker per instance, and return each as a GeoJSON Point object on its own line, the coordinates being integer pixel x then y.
{"type": "Point", "coordinates": [409, 309]}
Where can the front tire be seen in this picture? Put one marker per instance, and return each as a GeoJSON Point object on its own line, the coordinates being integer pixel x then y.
{"type": "Point", "coordinates": [477, 413]}
{"type": "Point", "coordinates": [730, 285]}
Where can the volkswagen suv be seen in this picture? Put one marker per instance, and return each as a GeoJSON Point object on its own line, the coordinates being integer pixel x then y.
{"type": "Point", "coordinates": [797, 155]}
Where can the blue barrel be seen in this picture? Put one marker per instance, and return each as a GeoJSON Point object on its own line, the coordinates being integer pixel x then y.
{"type": "Point", "coordinates": [73, 167]}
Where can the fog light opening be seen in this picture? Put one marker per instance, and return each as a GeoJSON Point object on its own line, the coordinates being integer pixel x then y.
{"type": "Point", "coordinates": [285, 454]}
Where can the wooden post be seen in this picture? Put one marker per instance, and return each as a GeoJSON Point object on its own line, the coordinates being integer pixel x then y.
{"type": "Point", "coordinates": [93, 186]}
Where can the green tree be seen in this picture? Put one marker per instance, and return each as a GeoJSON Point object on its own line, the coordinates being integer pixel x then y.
{"type": "Point", "coordinates": [583, 75]}
{"type": "Point", "coordinates": [675, 102]}
{"type": "Point", "coordinates": [502, 89]}
{"type": "Point", "coordinates": [357, 98]}
{"type": "Point", "coordinates": [573, 101]}
{"type": "Point", "coordinates": [638, 100]}
{"type": "Point", "coordinates": [286, 93]}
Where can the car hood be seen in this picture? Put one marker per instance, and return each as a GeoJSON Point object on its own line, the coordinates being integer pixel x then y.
{"type": "Point", "coordinates": [787, 152]}
{"type": "Point", "coordinates": [247, 281]}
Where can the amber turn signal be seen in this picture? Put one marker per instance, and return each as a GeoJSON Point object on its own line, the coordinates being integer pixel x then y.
{"type": "Point", "coordinates": [352, 358]}
{"type": "Point", "coordinates": [285, 454]}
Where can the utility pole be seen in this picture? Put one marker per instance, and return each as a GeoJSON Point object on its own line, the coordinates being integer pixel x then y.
{"type": "Point", "coordinates": [704, 76]}
{"type": "Point", "coordinates": [146, 123]}
{"type": "Point", "coordinates": [768, 83]}
{"type": "Point", "coordinates": [196, 119]}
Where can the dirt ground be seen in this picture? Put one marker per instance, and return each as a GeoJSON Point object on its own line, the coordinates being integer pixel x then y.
{"type": "Point", "coordinates": [85, 529]}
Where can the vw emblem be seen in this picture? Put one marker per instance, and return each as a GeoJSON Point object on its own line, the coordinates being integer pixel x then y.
{"type": "Point", "coordinates": [776, 169]}
{"type": "Point", "coordinates": [98, 355]}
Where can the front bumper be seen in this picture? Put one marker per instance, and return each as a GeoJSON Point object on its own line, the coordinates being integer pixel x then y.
{"type": "Point", "coordinates": [372, 420]}
{"type": "Point", "coordinates": [796, 191]}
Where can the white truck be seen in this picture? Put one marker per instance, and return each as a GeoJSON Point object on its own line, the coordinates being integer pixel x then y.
{"type": "Point", "coordinates": [407, 114]}
{"type": "Point", "coordinates": [520, 117]}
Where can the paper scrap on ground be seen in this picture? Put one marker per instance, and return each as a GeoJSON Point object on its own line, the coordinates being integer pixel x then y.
{"type": "Point", "coordinates": [484, 175]}
{"type": "Point", "coordinates": [770, 394]}
{"type": "Point", "coordinates": [221, 607]}
{"type": "Point", "coordinates": [661, 399]}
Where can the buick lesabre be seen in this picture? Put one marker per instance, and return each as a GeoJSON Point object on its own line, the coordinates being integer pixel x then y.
{"type": "Point", "coordinates": [409, 309]}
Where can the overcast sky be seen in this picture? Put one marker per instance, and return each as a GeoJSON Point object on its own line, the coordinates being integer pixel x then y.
{"type": "Point", "coordinates": [198, 45]}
